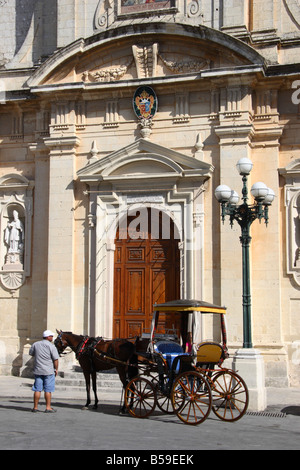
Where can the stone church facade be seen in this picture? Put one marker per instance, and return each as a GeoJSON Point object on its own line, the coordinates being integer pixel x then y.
{"type": "Point", "coordinates": [120, 118]}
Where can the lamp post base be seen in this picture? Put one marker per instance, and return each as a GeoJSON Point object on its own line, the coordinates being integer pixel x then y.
{"type": "Point", "coordinates": [249, 364]}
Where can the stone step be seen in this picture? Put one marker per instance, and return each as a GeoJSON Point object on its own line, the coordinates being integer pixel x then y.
{"type": "Point", "coordinates": [108, 381]}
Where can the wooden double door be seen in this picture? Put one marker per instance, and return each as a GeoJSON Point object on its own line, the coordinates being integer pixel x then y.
{"type": "Point", "coordinates": [146, 271]}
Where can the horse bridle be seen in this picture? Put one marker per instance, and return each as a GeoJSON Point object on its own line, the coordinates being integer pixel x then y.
{"type": "Point", "coordinates": [78, 351]}
{"type": "Point", "coordinates": [62, 346]}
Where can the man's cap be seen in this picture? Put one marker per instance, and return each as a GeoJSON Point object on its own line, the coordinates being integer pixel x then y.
{"type": "Point", "coordinates": [47, 333]}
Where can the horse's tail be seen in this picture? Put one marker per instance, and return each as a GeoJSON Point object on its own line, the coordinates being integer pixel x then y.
{"type": "Point", "coordinates": [133, 368]}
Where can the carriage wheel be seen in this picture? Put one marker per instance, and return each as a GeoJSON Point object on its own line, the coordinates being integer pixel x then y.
{"type": "Point", "coordinates": [163, 401]}
{"type": "Point", "coordinates": [191, 398]}
{"type": "Point", "coordinates": [140, 397]}
{"type": "Point", "coordinates": [230, 396]}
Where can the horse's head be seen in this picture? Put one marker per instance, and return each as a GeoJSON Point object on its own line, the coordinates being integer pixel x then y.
{"type": "Point", "coordinates": [61, 342]}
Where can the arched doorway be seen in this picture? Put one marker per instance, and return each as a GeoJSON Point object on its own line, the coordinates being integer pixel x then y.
{"type": "Point", "coordinates": [146, 270]}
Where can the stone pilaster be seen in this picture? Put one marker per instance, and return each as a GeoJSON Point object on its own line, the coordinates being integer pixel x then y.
{"type": "Point", "coordinates": [40, 242]}
{"type": "Point", "coordinates": [61, 232]}
{"type": "Point", "coordinates": [234, 141]}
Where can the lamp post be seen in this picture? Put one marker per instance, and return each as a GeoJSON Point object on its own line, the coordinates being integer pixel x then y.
{"type": "Point", "coordinates": [245, 214]}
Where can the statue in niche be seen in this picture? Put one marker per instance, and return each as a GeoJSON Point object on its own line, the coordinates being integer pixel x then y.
{"type": "Point", "coordinates": [14, 237]}
{"type": "Point", "coordinates": [297, 232]}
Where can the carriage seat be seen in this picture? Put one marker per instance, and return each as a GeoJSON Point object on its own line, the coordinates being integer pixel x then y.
{"type": "Point", "coordinates": [169, 351]}
{"type": "Point", "coordinates": [210, 353]}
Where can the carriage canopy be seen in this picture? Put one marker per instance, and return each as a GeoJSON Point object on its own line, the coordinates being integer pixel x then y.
{"type": "Point", "coordinates": [190, 312]}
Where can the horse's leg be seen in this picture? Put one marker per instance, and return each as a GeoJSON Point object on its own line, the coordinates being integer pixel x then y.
{"type": "Point", "coordinates": [88, 389]}
{"type": "Point", "coordinates": [123, 378]}
{"type": "Point", "coordinates": [94, 381]}
{"type": "Point", "coordinates": [126, 374]}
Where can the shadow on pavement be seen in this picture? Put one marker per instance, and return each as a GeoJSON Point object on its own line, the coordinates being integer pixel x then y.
{"type": "Point", "coordinates": [291, 410]}
{"type": "Point", "coordinates": [26, 405]}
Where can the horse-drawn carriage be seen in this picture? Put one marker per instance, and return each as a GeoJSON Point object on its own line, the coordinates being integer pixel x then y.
{"type": "Point", "coordinates": [182, 376]}
{"type": "Point", "coordinates": [174, 370]}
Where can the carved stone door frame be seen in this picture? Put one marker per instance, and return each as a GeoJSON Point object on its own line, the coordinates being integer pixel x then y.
{"type": "Point", "coordinates": [143, 174]}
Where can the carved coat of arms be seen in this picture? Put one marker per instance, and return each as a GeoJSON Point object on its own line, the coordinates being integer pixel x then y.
{"type": "Point", "coordinates": [145, 103]}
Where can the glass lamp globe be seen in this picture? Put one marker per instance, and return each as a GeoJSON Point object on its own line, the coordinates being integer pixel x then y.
{"type": "Point", "coordinates": [259, 190]}
{"type": "Point", "coordinates": [244, 166]}
{"type": "Point", "coordinates": [269, 197]}
{"type": "Point", "coordinates": [234, 198]}
{"type": "Point", "coordinates": [223, 193]}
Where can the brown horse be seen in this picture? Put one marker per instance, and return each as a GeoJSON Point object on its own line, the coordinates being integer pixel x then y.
{"type": "Point", "coordinates": [96, 354]}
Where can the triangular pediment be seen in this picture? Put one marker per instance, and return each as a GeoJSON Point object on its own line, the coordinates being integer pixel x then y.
{"type": "Point", "coordinates": [144, 160]}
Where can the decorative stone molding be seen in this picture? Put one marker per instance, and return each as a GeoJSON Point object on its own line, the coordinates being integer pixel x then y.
{"type": "Point", "coordinates": [80, 111]}
{"type": "Point", "coordinates": [111, 114]}
{"type": "Point", "coordinates": [12, 280]}
{"type": "Point", "coordinates": [293, 9]}
{"type": "Point", "coordinates": [60, 114]}
{"type": "Point", "coordinates": [231, 102]}
{"type": "Point", "coordinates": [181, 108]}
{"type": "Point", "coordinates": [146, 125]}
{"type": "Point", "coordinates": [199, 146]}
{"type": "Point", "coordinates": [265, 105]}
{"type": "Point", "coordinates": [93, 153]}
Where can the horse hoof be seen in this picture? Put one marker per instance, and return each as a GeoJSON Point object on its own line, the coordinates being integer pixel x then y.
{"type": "Point", "coordinates": [85, 408]}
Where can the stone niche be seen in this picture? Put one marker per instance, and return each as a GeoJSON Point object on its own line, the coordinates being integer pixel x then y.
{"type": "Point", "coordinates": [15, 229]}
{"type": "Point", "coordinates": [292, 204]}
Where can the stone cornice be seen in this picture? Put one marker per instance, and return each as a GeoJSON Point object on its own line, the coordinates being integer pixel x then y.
{"type": "Point", "coordinates": [64, 142]}
{"type": "Point", "coordinates": [235, 134]}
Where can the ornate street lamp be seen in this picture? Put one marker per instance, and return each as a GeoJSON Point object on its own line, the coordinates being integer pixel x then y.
{"type": "Point", "coordinates": [245, 214]}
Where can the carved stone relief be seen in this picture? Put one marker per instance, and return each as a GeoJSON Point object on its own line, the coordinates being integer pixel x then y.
{"type": "Point", "coordinates": [145, 57]}
{"type": "Point", "coordinates": [111, 74]}
{"type": "Point", "coordinates": [184, 66]}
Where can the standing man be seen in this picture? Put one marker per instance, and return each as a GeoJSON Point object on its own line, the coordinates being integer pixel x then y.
{"type": "Point", "coordinates": [45, 369]}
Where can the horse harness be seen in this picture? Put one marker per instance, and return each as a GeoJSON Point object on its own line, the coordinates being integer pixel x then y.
{"type": "Point", "coordinates": [88, 347]}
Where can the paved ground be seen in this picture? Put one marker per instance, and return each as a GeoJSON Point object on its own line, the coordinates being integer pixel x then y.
{"type": "Point", "coordinates": [70, 428]}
